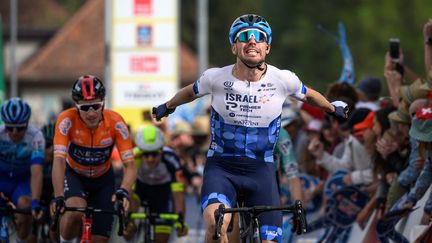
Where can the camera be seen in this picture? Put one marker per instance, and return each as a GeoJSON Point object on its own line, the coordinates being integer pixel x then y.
{"type": "Point", "coordinates": [394, 49]}
{"type": "Point", "coordinates": [394, 44]}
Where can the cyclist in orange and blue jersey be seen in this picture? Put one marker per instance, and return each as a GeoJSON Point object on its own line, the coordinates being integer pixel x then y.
{"type": "Point", "coordinates": [82, 173]}
{"type": "Point", "coordinates": [21, 158]}
{"type": "Point", "coordinates": [246, 105]}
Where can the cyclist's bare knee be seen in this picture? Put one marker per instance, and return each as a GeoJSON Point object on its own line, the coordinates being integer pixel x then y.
{"type": "Point", "coordinates": [70, 219]}
{"type": "Point", "coordinates": [209, 219]}
{"type": "Point", "coordinates": [23, 222]}
{"type": "Point", "coordinates": [24, 202]}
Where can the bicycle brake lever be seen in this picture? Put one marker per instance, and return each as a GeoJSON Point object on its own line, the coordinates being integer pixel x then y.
{"type": "Point", "coordinates": [118, 207]}
{"type": "Point", "coordinates": [218, 214]}
{"type": "Point", "coordinates": [300, 215]}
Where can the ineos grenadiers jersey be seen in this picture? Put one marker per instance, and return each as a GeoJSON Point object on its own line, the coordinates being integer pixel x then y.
{"type": "Point", "coordinates": [88, 152]}
{"type": "Point", "coordinates": [245, 118]}
{"type": "Point", "coordinates": [16, 159]}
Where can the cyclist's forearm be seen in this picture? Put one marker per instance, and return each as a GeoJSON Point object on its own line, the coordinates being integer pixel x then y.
{"type": "Point", "coordinates": [36, 181]}
{"type": "Point", "coordinates": [315, 98]}
{"type": "Point", "coordinates": [296, 189]}
{"type": "Point", "coordinates": [130, 173]}
{"type": "Point", "coordinates": [185, 95]}
{"type": "Point", "coordinates": [58, 174]}
{"type": "Point", "coordinates": [179, 202]}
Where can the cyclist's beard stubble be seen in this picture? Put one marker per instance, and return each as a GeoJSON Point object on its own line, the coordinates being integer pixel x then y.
{"type": "Point", "coordinates": [250, 62]}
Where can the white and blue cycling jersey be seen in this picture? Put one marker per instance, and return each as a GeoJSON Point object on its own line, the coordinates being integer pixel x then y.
{"type": "Point", "coordinates": [245, 118]}
{"type": "Point", "coordinates": [17, 158]}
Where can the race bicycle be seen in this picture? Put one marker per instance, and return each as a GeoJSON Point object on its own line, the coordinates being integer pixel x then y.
{"type": "Point", "coordinates": [250, 232]}
{"type": "Point", "coordinates": [87, 219]}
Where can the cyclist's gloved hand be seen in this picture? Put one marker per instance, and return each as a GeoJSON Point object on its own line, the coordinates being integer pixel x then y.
{"type": "Point", "coordinates": [59, 204]}
{"type": "Point", "coordinates": [181, 227]}
{"type": "Point", "coordinates": [122, 195]}
{"type": "Point", "coordinates": [36, 209]}
{"type": "Point", "coordinates": [161, 111]}
{"type": "Point", "coordinates": [341, 109]}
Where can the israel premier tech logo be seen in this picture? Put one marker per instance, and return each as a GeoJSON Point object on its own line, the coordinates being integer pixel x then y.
{"type": "Point", "coordinates": [228, 85]}
{"type": "Point", "coordinates": [232, 100]}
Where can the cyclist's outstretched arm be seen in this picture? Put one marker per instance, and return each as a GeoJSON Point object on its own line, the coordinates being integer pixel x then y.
{"type": "Point", "coordinates": [184, 95]}
{"type": "Point", "coordinates": [315, 98]}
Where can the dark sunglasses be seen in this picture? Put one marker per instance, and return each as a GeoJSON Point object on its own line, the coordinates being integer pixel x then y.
{"type": "Point", "coordinates": [87, 107]}
{"type": "Point", "coordinates": [246, 35]}
{"type": "Point", "coordinates": [16, 127]}
{"type": "Point", "coordinates": [152, 154]}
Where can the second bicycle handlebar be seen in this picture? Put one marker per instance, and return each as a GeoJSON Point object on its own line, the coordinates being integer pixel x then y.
{"type": "Point", "coordinates": [300, 223]}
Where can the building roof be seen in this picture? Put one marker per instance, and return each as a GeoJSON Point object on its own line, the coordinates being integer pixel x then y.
{"type": "Point", "coordinates": [79, 47]}
{"type": "Point", "coordinates": [36, 14]}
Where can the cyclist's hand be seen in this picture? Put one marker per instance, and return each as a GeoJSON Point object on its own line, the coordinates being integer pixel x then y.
{"type": "Point", "coordinates": [341, 109]}
{"type": "Point", "coordinates": [122, 195]}
{"type": "Point", "coordinates": [58, 204]}
{"type": "Point", "coordinates": [161, 111]}
{"type": "Point", "coordinates": [182, 231]}
{"type": "Point", "coordinates": [181, 227]}
{"type": "Point", "coordinates": [37, 211]}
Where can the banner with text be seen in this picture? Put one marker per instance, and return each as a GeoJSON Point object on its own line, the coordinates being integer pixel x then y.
{"type": "Point", "coordinates": [145, 56]}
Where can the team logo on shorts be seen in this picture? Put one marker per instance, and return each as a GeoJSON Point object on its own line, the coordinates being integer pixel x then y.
{"type": "Point", "coordinates": [122, 128]}
{"type": "Point", "coordinates": [65, 125]}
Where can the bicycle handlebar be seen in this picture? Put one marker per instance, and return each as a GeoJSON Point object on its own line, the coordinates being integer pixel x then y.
{"type": "Point", "coordinates": [118, 210]}
{"type": "Point", "coordinates": [300, 223]}
{"type": "Point", "coordinates": [179, 218]}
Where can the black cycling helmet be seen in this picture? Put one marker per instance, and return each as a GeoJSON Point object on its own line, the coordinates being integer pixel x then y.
{"type": "Point", "coordinates": [88, 87]}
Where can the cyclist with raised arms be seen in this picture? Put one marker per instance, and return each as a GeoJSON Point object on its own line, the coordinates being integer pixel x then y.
{"type": "Point", "coordinates": [82, 173]}
{"type": "Point", "coordinates": [246, 107]}
{"type": "Point", "coordinates": [160, 181]}
{"type": "Point", "coordinates": [21, 157]}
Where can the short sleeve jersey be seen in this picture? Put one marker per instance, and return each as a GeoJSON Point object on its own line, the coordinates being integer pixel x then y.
{"type": "Point", "coordinates": [245, 118]}
{"type": "Point", "coordinates": [17, 158]}
{"type": "Point", "coordinates": [89, 152]}
{"type": "Point", "coordinates": [166, 172]}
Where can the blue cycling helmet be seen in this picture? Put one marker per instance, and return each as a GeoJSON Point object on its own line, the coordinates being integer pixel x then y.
{"type": "Point", "coordinates": [250, 21]}
{"type": "Point", "coordinates": [15, 111]}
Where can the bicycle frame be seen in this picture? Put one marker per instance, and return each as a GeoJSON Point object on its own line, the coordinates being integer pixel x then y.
{"type": "Point", "coordinates": [251, 233]}
{"type": "Point", "coordinates": [87, 219]}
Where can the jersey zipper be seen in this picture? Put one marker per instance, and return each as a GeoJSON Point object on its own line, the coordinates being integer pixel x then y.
{"type": "Point", "coordinates": [91, 146]}
{"type": "Point", "coordinates": [247, 118]}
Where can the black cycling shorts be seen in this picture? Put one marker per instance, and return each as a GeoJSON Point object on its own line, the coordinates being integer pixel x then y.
{"type": "Point", "coordinates": [225, 177]}
{"type": "Point", "coordinates": [98, 194]}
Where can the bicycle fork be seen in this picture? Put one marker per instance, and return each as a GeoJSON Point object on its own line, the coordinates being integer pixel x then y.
{"type": "Point", "coordinates": [86, 230]}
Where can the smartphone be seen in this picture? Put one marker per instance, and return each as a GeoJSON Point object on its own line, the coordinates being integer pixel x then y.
{"type": "Point", "coordinates": [394, 48]}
